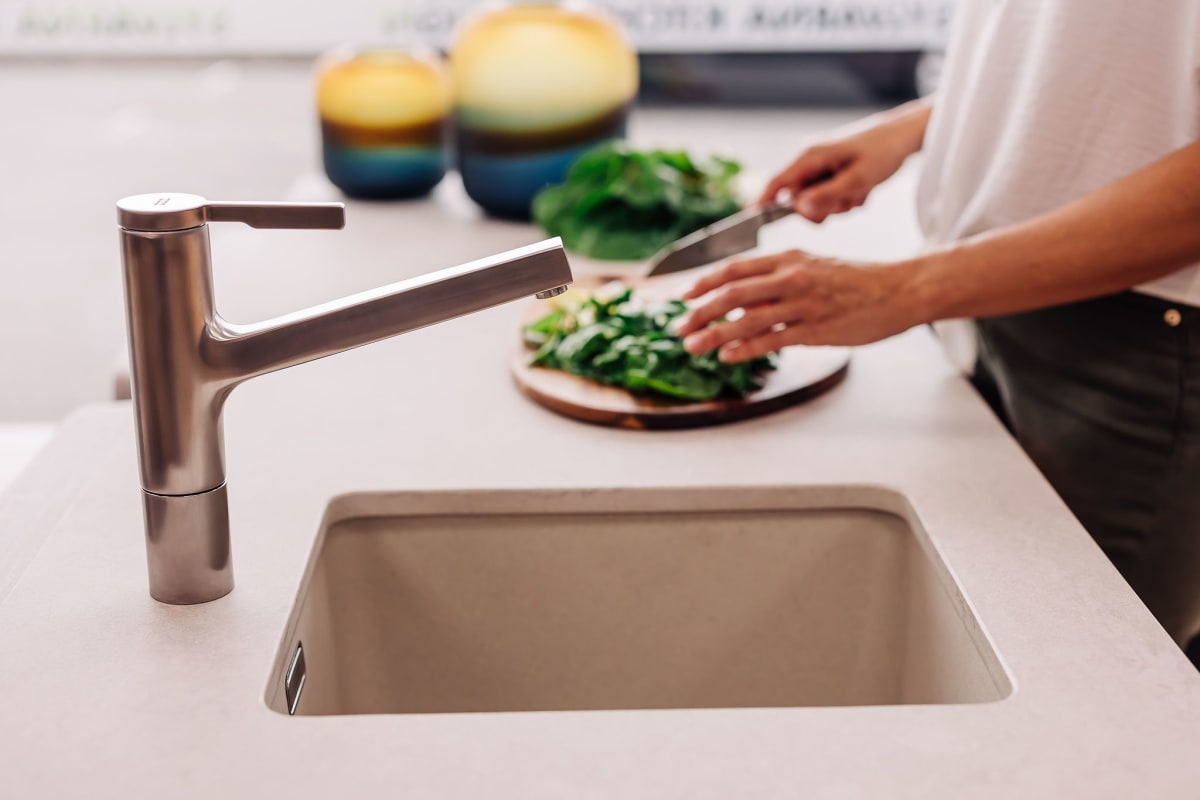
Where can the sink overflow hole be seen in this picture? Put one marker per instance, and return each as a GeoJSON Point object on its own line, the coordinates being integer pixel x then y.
{"type": "Point", "coordinates": [293, 679]}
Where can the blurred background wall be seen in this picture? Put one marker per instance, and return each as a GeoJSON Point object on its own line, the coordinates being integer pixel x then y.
{"type": "Point", "coordinates": [725, 50]}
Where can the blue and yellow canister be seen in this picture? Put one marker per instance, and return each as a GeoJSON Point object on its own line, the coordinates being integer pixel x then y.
{"type": "Point", "coordinates": [536, 84]}
{"type": "Point", "coordinates": [384, 119]}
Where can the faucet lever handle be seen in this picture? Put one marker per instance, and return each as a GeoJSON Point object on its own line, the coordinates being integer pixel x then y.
{"type": "Point", "coordinates": [173, 212]}
{"type": "Point", "coordinates": [278, 215]}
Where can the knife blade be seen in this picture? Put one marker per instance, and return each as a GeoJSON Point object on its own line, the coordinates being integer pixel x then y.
{"type": "Point", "coordinates": [723, 238]}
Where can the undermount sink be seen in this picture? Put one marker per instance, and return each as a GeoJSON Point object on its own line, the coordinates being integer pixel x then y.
{"type": "Point", "coordinates": [627, 599]}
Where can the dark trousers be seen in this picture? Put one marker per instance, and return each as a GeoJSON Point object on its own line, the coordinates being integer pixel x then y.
{"type": "Point", "coordinates": [1104, 396]}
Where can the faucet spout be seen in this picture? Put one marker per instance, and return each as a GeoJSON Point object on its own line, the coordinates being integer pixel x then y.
{"type": "Point", "coordinates": [245, 351]}
{"type": "Point", "coordinates": [185, 359]}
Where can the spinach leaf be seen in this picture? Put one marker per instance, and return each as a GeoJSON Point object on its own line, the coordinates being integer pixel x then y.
{"type": "Point", "coordinates": [616, 341]}
{"type": "Point", "coordinates": [625, 204]}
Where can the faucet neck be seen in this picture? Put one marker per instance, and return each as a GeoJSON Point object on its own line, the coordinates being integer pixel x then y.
{"type": "Point", "coordinates": [177, 400]}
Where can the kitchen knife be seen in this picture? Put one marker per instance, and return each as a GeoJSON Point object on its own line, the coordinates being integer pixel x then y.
{"type": "Point", "coordinates": [730, 236]}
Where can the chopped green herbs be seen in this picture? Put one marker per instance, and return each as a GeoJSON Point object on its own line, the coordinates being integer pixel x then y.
{"type": "Point", "coordinates": [615, 342]}
{"type": "Point", "coordinates": [625, 204]}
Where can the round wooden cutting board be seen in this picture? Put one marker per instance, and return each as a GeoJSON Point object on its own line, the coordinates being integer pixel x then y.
{"type": "Point", "coordinates": [803, 373]}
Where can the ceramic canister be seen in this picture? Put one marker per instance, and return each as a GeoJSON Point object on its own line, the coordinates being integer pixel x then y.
{"type": "Point", "coordinates": [384, 116]}
{"type": "Point", "coordinates": [536, 85]}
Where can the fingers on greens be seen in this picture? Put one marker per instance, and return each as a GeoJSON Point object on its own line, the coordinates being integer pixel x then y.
{"type": "Point", "coordinates": [625, 204]}
{"type": "Point", "coordinates": [616, 342]}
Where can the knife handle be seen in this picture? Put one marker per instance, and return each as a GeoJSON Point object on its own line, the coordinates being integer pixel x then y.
{"type": "Point", "coordinates": [774, 211]}
{"type": "Point", "coordinates": [777, 210]}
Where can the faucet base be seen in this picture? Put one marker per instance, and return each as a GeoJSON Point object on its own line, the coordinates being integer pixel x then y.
{"type": "Point", "coordinates": [187, 546]}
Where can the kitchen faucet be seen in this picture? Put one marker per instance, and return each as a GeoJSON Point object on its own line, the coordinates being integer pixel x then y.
{"type": "Point", "coordinates": [185, 359]}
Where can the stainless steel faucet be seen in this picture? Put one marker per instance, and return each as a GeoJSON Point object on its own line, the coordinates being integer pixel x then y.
{"type": "Point", "coordinates": [185, 359]}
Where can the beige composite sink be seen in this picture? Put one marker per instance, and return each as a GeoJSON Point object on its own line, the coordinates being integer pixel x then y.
{"type": "Point", "coordinates": [639, 599]}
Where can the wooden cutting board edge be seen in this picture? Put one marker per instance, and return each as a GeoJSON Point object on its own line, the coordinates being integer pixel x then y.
{"type": "Point", "coordinates": [553, 389]}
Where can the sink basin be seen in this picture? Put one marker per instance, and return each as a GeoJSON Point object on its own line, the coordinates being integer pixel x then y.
{"type": "Point", "coordinates": [627, 599]}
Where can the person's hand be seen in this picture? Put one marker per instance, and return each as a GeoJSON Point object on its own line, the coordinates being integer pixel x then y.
{"type": "Point", "coordinates": [796, 298]}
{"type": "Point", "coordinates": [836, 176]}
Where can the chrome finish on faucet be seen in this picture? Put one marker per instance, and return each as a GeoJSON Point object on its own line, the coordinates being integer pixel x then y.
{"type": "Point", "coordinates": [174, 212]}
{"type": "Point", "coordinates": [185, 359]}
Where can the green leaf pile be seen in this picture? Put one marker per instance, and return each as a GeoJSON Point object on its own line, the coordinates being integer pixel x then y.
{"type": "Point", "coordinates": [617, 343]}
{"type": "Point", "coordinates": [624, 204]}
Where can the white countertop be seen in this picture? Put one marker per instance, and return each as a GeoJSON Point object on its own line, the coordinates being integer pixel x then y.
{"type": "Point", "coordinates": [105, 689]}
{"type": "Point", "coordinates": [106, 692]}
{"type": "Point", "coordinates": [19, 443]}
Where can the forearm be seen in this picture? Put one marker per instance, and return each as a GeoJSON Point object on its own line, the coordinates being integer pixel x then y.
{"type": "Point", "coordinates": [906, 124]}
{"type": "Point", "coordinates": [1139, 228]}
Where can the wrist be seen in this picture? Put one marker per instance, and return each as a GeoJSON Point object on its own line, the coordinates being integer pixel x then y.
{"type": "Point", "coordinates": [920, 290]}
{"type": "Point", "coordinates": [904, 127]}
{"type": "Point", "coordinates": [889, 138]}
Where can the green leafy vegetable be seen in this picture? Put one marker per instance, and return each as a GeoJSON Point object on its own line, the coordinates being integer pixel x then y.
{"type": "Point", "coordinates": [625, 204]}
{"type": "Point", "coordinates": [616, 342]}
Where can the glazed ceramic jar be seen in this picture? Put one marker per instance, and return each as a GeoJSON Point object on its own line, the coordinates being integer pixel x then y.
{"type": "Point", "coordinates": [384, 118]}
{"type": "Point", "coordinates": [536, 85]}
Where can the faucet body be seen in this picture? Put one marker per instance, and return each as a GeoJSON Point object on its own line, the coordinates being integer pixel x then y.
{"type": "Point", "coordinates": [185, 359]}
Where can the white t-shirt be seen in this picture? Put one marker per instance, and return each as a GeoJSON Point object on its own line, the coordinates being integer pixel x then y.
{"type": "Point", "coordinates": [1044, 101]}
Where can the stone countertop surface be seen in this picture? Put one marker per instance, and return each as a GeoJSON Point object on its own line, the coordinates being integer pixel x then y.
{"type": "Point", "coordinates": [105, 691]}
